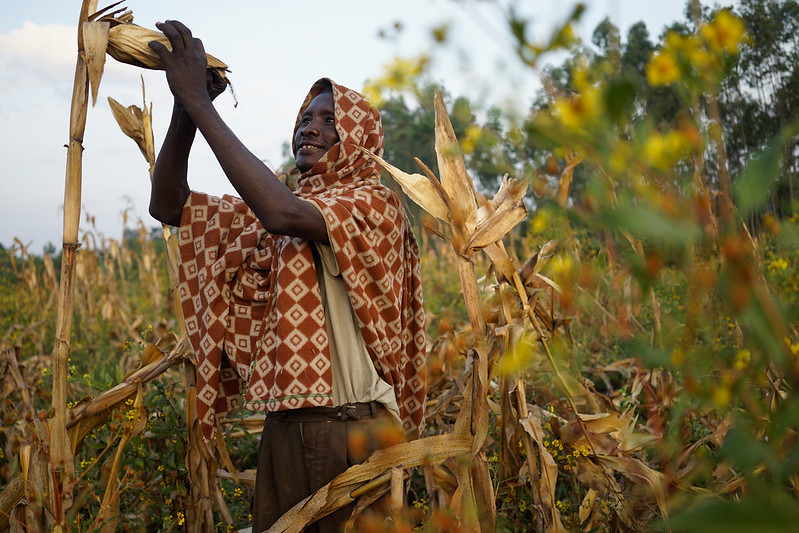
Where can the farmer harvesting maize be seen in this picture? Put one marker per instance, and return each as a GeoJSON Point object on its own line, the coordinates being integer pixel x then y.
{"type": "Point", "coordinates": [307, 302]}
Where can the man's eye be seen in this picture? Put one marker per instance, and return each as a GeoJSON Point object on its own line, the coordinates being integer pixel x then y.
{"type": "Point", "coordinates": [330, 120]}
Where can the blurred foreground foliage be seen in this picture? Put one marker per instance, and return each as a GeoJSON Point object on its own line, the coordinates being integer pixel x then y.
{"type": "Point", "coordinates": [663, 246]}
{"type": "Point", "coordinates": [665, 173]}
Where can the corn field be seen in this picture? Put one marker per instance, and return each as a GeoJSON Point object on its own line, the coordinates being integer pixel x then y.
{"type": "Point", "coordinates": [622, 363]}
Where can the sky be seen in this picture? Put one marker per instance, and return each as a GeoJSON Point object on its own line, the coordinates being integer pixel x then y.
{"type": "Point", "coordinates": [275, 50]}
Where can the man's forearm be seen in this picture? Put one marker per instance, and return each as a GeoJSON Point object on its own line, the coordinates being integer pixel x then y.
{"type": "Point", "coordinates": [272, 202]}
{"type": "Point", "coordinates": [170, 186]}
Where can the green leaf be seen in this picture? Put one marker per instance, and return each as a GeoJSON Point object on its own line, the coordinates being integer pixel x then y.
{"type": "Point", "coordinates": [774, 513]}
{"type": "Point", "coordinates": [752, 187]}
{"type": "Point", "coordinates": [619, 98]}
{"type": "Point", "coordinates": [743, 449]}
{"type": "Point", "coordinates": [645, 222]}
{"type": "Point", "coordinates": [757, 321]}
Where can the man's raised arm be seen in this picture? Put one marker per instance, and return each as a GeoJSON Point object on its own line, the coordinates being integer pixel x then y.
{"type": "Point", "coordinates": [170, 186]}
{"type": "Point", "coordinates": [278, 209]}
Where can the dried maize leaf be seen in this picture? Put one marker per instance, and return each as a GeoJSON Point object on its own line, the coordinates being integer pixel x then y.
{"type": "Point", "coordinates": [95, 42]}
{"type": "Point", "coordinates": [104, 12]}
{"type": "Point", "coordinates": [344, 487]}
{"type": "Point", "coordinates": [631, 440]}
{"type": "Point", "coordinates": [131, 121]}
{"type": "Point", "coordinates": [549, 473]}
{"type": "Point", "coordinates": [532, 266]}
{"type": "Point", "coordinates": [502, 261]}
{"type": "Point", "coordinates": [511, 191]}
{"type": "Point", "coordinates": [86, 9]}
{"type": "Point", "coordinates": [25, 460]}
{"type": "Point", "coordinates": [418, 188]}
{"type": "Point", "coordinates": [638, 472]}
{"type": "Point", "coordinates": [586, 510]}
{"type": "Point", "coordinates": [434, 182]}
{"type": "Point", "coordinates": [499, 215]}
{"type": "Point", "coordinates": [497, 225]}
{"type": "Point", "coordinates": [454, 178]}
{"type": "Point", "coordinates": [108, 516]}
{"type": "Point", "coordinates": [129, 43]}
{"type": "Point", "coordinates": [566, 177]}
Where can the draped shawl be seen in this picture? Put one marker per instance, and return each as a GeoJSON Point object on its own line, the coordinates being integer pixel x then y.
{"type": "Point", "coordinates": [251, 299]}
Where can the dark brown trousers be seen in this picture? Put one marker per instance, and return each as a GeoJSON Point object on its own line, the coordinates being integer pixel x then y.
{"type": "Point", "coordinates": [303, 449]}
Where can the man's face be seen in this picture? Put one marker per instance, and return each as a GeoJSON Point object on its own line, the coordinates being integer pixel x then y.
{"type": "Point", "coordinates": [316, 132]}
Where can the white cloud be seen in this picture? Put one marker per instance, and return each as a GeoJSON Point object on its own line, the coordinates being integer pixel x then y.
{"type": "Point", "coordinates": [49, 49]}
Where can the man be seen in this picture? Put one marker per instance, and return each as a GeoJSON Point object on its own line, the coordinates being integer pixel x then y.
{"type": "Point", "coordinates": [309, 301]}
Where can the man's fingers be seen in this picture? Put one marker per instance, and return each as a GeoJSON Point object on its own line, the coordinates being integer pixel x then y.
{"type": "Point", "coordinates": [160, 50]}
{"type": "Point", "coordinates": [199, 49]}
{"type": "Point", "coordinates": [184, 32]}
{"type": "Point", "coordinates": [175, 38]}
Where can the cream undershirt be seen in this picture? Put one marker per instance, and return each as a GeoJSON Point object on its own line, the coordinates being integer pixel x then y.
{"type": "Point", "coordinates": [354, 376]}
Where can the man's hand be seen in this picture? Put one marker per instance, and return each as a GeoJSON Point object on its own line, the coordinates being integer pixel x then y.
{"type": "Point", "coordinates": [216, 85]}
{"type": "Point", "coordinates": [186, 66]}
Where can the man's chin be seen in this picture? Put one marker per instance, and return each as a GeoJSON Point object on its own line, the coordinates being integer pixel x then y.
{"type": "Point", "coordinates": [306, 164]}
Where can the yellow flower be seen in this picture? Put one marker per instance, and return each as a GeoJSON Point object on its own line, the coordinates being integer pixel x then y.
{"type": "Point", "coordinates": [680, 43]}
{"type": "Point", "coordinates": [702, 60]}
{"type": "Point", "coordinates": [742, 359]}
{"type": "Point", "coordinates": [578, 110]}
{"type": "Point", "coordinates": [539, 222]}
{"type": "Point", "coordinates": [662, 69]}
{"type": "Point", "coordinates": [722, 396]}
{"type": "Point", "coordinates": [469, 142]}
{"type": "Point", "coordinates": [181, 518]}
{"type": "Point", "coordinates": [663, 150]}
{"type": "Point", "coordinates": [619, 158]}
{"type": "Point", "coordinates": [724, 33]}
{"type": "Point", "coordinates": [399, 75]}
{"type": "Point", "coordinates": [561, 265]}
{"type": "Point", "coordinates": [778, 264]}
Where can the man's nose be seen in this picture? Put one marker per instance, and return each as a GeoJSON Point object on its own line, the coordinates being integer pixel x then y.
{"type": "Point", "coordinates": [312, 128]}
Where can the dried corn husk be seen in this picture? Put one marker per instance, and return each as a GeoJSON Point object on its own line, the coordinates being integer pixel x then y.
{"type": "Point", "coordinates": [501, 214]}
{"type": "Point", "coordinates": [129, 43]}
{"type": "Point", "coordinates": [420, 189]}
{"type": "Point", "coordinates": [131, 121]}
{"type": "Point", "coordinates": [452, 168]}
{"type": "Point", "coordinates": [95, 42]}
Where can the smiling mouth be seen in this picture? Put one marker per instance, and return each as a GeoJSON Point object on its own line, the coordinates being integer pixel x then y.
{"type": "Point", "coordinates": [309, 147]}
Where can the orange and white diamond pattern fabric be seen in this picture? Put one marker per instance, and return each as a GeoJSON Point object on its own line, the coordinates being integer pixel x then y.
{"type": "Point", "coordinates": [251, 299]}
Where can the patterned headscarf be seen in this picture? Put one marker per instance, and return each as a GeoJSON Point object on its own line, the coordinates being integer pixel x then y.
{"type": "Point", "coordinates": [252, 302]}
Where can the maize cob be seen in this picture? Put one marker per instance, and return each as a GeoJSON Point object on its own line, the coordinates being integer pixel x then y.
{"type": "Point", "coordinates": [129, 43]}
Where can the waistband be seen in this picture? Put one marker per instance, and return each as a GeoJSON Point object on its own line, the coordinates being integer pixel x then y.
{"type": "Point", "coordinates": [342, 413]}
